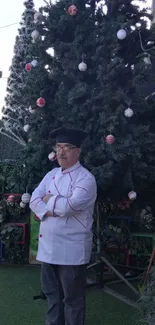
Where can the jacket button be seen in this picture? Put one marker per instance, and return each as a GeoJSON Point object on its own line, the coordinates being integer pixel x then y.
{"type": "Point", "coordinates": [40, 235]}
{"type": "Point", "coordinates": [49, 191]}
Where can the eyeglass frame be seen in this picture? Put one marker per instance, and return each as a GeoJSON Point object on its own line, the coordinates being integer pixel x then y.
{"type": "Point", "coordinates": [69, 148]}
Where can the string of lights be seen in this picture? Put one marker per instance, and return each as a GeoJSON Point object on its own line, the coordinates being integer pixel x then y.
{"type": "Point", "coordinates": [9, 25]}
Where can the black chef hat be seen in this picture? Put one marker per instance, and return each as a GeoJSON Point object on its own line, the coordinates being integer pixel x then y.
{"type": "Point", "coordinates": [71, 136]}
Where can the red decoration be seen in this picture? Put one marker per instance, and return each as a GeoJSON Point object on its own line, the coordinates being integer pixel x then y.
{"type": "Point", "coordinates": [11, 198]}
{"type": "Point", "coordinates": [28, 67]}
{"type": "Point", "coordinates": [72, 10]}
{"type": "Point", "coordinates": [40, 102]}
{"type": "Point", "coordinates": [110, 139]}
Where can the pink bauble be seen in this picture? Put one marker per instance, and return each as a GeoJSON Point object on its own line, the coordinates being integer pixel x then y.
{"type": "Point", "coordinates": [40, 102]}
{"type": "Point", "coordinates": [110, 139]}
{"type": "Point", "coordinates": [72, 10]}
{"type": "Point", "coordinates": [28, 67]}
{"type": "Point", "coordinates": [11, 198]}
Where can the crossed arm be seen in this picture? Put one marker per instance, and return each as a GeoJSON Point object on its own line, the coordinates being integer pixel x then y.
{"type": "Point", "coordinates": [83, 195]}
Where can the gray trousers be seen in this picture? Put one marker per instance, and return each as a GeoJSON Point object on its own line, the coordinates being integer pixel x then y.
{"type": "Point", "coordinates": [64, 286]}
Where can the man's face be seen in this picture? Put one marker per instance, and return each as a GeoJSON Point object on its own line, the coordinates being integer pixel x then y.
{"type": "Point", "coordinates": [67, 155]}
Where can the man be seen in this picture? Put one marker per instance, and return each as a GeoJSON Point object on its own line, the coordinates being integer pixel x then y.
{"type": "Point", "coordinates": [64, 202]}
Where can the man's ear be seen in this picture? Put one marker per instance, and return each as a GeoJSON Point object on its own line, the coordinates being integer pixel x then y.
{"type": "Point", "coordinates": [79, 152]}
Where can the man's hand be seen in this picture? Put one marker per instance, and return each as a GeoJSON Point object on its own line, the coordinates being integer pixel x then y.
{"type": "Point", "coordinates": [46, 198]}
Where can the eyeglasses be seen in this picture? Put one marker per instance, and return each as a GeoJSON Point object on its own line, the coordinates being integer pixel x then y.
{"type": "Point", "coordinates": [65, 148]}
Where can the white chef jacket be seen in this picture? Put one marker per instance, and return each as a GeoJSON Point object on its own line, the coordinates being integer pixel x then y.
{"type": "Point", "coordinates": [65, 237]}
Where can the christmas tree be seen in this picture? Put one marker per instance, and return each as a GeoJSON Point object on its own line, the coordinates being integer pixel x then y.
{"type": "Point", "coordinates": [96, 78]}
{"type": "Point", "coordinates": [14, 112]}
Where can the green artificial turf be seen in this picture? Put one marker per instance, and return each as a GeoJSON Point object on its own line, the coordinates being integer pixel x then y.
{"type": "Point", "coordinates": [18, 285]}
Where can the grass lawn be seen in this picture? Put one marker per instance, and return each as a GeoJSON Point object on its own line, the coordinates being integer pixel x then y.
{"type": "Point", "coordinates": [18, 285]}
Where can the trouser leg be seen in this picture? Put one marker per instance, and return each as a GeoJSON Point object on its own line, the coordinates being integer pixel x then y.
{"type": "Point", "coordinates": [73, 280]}
{"type": "Point", "coordinates": [51, 287]}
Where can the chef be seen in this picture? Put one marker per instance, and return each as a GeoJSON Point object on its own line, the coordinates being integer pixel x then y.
{"type": "Point", "coordinates": [64, 202]}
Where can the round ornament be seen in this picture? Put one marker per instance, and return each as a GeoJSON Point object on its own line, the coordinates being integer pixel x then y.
{"type": "Point", "coordinates": [52, 156]}
{"type": "Point", "coordinates": [128, 112]}
{"type": "Point", "coordinates": [121, 34]}
{"type": "Point", "coordinates": [28, 67]}
{"type": "Point", "coordinates": [22, 205]}
{"type": "Point", "coordinates": [110, 139]}
{"type": "Point", "coordinates": [26, 127]}
{"type": "Point", "coordinates": [147, 60]}
{"type": "Point", "coordinates": [37, 17]}
{"type": "Point", "coordinates": [34, 63]}
{"type": "Point", "coordinates": [11, 198]}
{"type": "Point", "coordinates": [40, 102]}
{"type": "Point", "coordinates": [31, 110]}
{"type": "Point", "coordinates": [132, 195]}
{"type": "Point", "coordinates": [82, 66]}
{"type": "Point", "coordinates": [72, 10]}
{"type": "Point", "coordinates": [26, 198]}
{"type": "Point", "coordinates": [35, 35]}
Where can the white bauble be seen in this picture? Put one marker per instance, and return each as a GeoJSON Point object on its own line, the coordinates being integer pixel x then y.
{"type": "Point", "coordinates": [31, 110]}
{"type": "Point", "coordinates": [26, 127]}
{"type": "Point", "coordinates": [147, 60]}
{"type": "Point", "coordinates": [121, 34]}
{"type": "Point", "coordinates": [82, 66]}
{"type": "Point", "coordinates": [52, 156]}
{"type": "Point", "coordinates": [29, 140]}
{"type": "Point", "coordinates": [37, 16]}
{"type": "Point", "coordinates": [22, 205]}
{"type": "Point", "coordinates": [132, 195]}
{"type": "Point", "coordinates": [26, 198]}
{"type": "Point", "coordinates": [35, 35]}
{"type": "Point", "coordinates": [34, 63]}
{"type": "Point", "coordinates": [128, 112]}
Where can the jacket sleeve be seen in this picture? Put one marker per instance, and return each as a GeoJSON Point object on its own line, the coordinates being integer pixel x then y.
{"type": "Point", "coordinates": [36, 203]}
{"type": "Point", "coordinates": [83, 195]}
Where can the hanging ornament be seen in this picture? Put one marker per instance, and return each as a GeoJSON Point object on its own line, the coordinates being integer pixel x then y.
{"type": "Point", "coordinates": [121, 34]}
{"type": "Point", "coordinates": [11, 199]}
{"type": "Point", "coordinates": [52, 156]}
{"type": "Point", "coordinates": [132, 195]}
{"type": "Point", "coordinates": [128, 112]}
{"type": "Point", "coordinates": [31, 110]}
{"type": "Point", "coordinates": [26, 198]}
{"type": "Point", "coordinates": [110, 139]}
{"type": "Point", "coordinates": [37, 17]}
{"type": "Point", "coordinates": [82, 66]}
{"type": "Point", "coordinates": [22, 205]}
{"type": "Point", "coordinates": [34, 63]}
{"type": "Point", "coordinates": [28, 67]}
{"type": "Point", "coordinates": [147, 59]}
{"type": "Point", "coordinates": [35, 35]}
{"type": "Point", "coordinates": [26, 127]}
{"type": "Point", "coordinates": [72, 10]}
{"type": "Point", "coordinates": [29, 140]}
{"type": "Point", "coordinates": [40, 102]}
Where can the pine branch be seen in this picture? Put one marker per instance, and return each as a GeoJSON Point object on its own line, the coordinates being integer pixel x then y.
{"type": "Point", "coordinates": [18, 141]}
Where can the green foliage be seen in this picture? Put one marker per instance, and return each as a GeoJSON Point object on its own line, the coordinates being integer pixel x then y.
{"type": "Point", "coordinates": [95, 100]}
{"type": "Point", "coordinates": [14, 253]}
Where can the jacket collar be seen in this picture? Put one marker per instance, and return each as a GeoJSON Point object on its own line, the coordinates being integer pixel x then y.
{"type": "Point", "coordinates": [71, 169]}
